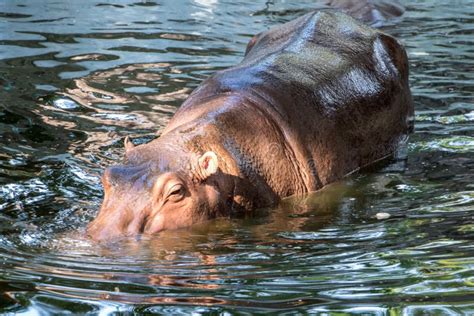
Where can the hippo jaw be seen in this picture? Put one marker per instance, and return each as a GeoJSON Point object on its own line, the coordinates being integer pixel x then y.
{"type": "Point", "coordinates": [136, 201]}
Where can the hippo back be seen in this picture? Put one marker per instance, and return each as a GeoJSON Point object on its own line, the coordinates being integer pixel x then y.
{"type": "Point", "coordinates": [338, 90]}
{"type": "Point", "coordinates": [313, 50]}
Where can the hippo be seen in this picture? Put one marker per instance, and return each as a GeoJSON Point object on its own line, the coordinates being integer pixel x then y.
{"type": "Point", "coordinates": [312, 101]}
{"type": "Point", "coordinates": [376, 13]}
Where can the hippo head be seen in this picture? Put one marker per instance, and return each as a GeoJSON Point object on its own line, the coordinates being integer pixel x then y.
{"type": "Point", "coordinates": [160, 187]}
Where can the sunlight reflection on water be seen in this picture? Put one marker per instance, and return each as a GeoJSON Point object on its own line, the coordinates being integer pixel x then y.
{"type": "Point", "coordinates": [72, 86]}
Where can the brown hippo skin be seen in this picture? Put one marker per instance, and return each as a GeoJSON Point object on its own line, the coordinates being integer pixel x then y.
{"type": "Point", "coordinates": [313, 100]}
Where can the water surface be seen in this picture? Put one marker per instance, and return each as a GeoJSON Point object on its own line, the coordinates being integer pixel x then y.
{"type": "Point", "coordinates": [76, 77]}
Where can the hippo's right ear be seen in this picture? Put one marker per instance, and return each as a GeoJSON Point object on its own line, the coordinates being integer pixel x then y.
{"type": "Point", "coordinates": [207, 165]}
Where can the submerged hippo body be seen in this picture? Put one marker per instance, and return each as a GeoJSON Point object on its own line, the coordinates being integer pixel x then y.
{"type": "Point", "coordinates": [312, 101]}
{"type": "Point", "coordinates": [375, 13]}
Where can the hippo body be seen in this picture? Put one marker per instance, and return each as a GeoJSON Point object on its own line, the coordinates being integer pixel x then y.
{"type": "Point", "coordinates": [375, 13]}
{"type": "Point", "coordinates": [312, 101]}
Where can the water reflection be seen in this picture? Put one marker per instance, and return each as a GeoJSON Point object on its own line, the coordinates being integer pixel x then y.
{"type": "Point", "coordinates": [207, 8]}
{"type": "Point", "coordinates": [72, 86]}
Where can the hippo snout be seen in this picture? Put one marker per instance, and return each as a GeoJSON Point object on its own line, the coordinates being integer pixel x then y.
{"type": "Point", "coordinates": [126, 204]}
{"type": "Point", "coordinates": [100, 232]}
{"type": "Point", "coordinates": [113, 223]}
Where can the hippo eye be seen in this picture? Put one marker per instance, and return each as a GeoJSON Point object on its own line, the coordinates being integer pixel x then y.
{"type": "Point", "coordinates": [176, 192]}
{"type": "Point", "coordinates": [177, 189]}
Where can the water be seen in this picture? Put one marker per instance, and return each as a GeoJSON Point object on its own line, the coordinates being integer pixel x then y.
{"type": "Point", "coordinates": [77, 77]}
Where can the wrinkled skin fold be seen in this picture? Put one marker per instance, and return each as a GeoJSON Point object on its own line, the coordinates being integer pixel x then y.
{"type": "Point", "coordinates": [312, 101]}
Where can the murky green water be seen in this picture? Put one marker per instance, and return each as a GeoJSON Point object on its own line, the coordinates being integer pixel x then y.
{"type": "Point", "coordinates": [76, 77]}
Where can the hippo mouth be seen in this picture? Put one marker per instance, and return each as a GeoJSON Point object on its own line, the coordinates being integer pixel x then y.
{"type": "Point", "coordinates": [152, 224]}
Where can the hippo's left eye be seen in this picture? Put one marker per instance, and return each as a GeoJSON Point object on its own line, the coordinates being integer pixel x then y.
{"type": "Point", "coordinates": [176, 192]}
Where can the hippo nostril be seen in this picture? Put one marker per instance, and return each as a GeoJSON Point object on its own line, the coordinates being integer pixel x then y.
{"type": "Point", "coordinates": [142, 226]}
{"type": "Point", "coordinates": [93, 232]}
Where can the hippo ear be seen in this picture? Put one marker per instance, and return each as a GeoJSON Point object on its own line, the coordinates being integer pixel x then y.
{"type": "Point", "coordinates": [128, 144]}
{"type": "Point", "coordinates": [207, 165]}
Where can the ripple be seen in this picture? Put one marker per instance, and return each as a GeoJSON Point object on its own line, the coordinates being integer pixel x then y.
{"type": "Point", "coordinates": [447, 119]}
{"type": "Point", "coordinates": [14, 15]}
{"type": "Point", "coordinates": [452, 202]}
{"type": "Point", "coordinates": [455, 144]}
{"type": "Point", "coordinates": [325, 253]}
{"type": "Point", "coordinates": [140, 90]}
{"type": "Point", "coordinates": [329, 234]}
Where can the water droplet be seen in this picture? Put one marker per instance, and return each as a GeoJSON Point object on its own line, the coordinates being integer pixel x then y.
{"type": "Point", "coordinates": [65, 104]}
{"type": "Point", "coordinates": [382, 216]}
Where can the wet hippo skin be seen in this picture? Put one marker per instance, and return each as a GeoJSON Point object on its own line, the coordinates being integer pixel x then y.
{"type": "Point", "coordinates": [312, 101]}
